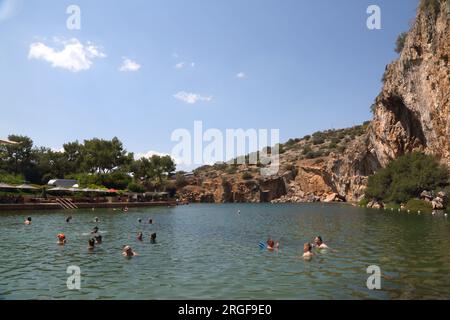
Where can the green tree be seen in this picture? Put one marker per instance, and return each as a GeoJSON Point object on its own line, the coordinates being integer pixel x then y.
{"type": "Point", "coordinates": [17, 158]}
{"type": "Point", "coordinates": [406, 177]}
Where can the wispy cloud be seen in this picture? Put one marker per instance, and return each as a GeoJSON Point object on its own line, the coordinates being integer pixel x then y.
{"type": "Point", "coordinates": [74, 56]}
{"type": "Point", "coordinates": [129, 65]}
{"type": "Point", "coordinates": [181, 65]}
{"type": "Point", "coordinates": [241, 75]}
{"type": "Point", "coordinates": [191, 98]}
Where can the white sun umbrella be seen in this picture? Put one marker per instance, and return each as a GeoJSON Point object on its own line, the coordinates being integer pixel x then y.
{"type": "Point", "coordinates": [26, 187]}
{"type": "Point", "coordinates": [7, 186]}
{"type": "Point", "coordinates": [58, 189]}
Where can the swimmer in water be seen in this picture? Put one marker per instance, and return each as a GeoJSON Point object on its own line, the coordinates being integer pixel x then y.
{"type": "Point", "coordinates": [61, 239]}
{"type": "Point", "coordinates": [271, 245]}
{"type": "Point", "coordinates": [91, 244]}
{"type": "Point", "coordinates": [96, 220]}
{"type": "Point", "coordinates": [127, 251]}
{"type": "Point", "coordinates": [98, 239]}
{"type": "Point", "coordinates": [150, 221]}
{"type": "Point", "coordinates": [68, 219]}
{"type": "Point", "coordinates": [153, 238]}
{"type": "Point", "coordinates": [239, 212]}
{"type": "Point", "coordinates": [140, 236]}
{"type": "Point", "coordinates": [125, 209]}
{"type": "Point", "coordinates": [28, 221]}
{"type": "Point", "coordinates": [307, 253]}
{"type": "Point", "coordinates": [139, 220]}
{"type": "Point", "coordinates": [319, 244]}
{"type": "Point", "coordinates": [95, 230]}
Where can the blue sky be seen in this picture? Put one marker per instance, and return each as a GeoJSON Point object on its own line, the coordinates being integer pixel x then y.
{"type": "Point", "coordinates": [304, 66]}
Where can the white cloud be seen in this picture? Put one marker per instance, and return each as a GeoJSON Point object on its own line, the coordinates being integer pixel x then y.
{"type": "Point", "coordinates": [191, 98]}
{"type": "Point", "coordinates": [129, 65]}
{"type": "Point", "coordinates": [149, 154]}
{"type": "Point", "coordinates": [183, 64]}
{"type": "Point", "coordinates": [179, 65]}
{"type": "Point", "coordinates": [74, 56]}
{"type": "Point", "coordinates": [241, 75]}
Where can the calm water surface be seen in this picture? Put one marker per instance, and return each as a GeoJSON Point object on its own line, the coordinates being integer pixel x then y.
{"type": "Point", "coordinates": [211, 252]}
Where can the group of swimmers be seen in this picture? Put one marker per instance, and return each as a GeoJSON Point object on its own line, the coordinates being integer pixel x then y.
{"type": "Point", "coordinates": [318, 244]}
{"type": "Point", "coordinates": [307, 247]}
{"type": "Point", "coordinates": [97, 238]}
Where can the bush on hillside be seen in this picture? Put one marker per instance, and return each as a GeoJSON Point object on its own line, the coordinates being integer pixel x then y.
{"type": "Point", "coordinates": [406, 177]}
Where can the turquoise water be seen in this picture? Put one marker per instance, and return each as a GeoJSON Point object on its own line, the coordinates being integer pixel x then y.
{"type": "Point", "coordinates": [211, 252]}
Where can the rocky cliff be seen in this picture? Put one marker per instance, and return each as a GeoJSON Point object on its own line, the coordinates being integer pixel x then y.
{"type": "Point", "coordinates": [412, 112]}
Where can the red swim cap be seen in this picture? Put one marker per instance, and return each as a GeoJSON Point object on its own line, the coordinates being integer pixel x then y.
{"type": "Point", "coordinates": [61, 236]}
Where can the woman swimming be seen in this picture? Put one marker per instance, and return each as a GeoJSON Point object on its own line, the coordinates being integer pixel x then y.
{"type": "Point", "coordinates": [307, 253]}
{"type": "Point", "coordinates": [61, 239]}
{"type": "Point", "coordinates": [271, 245]}
{"type": "Point", "coordinates": [128, 252]}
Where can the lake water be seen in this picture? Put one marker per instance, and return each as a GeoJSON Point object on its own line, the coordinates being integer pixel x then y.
{"type": "Point", "coordinates": [211, 252]}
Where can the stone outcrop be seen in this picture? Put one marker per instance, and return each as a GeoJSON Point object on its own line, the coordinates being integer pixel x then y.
{"type": "Point", "coordinates": [412, 113]}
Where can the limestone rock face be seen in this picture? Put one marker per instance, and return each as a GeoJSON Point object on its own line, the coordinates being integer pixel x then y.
{"type": "Point", "coordinates": [412, 113]}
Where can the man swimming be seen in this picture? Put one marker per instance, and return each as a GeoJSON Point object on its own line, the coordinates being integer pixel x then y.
{"type": "Point", "coordinates": [95, 230]}
{"type": "Point", "coordinates": [96, 219]}
{"type": "Point", "coordinates": [28, 221]}
{"type": "Point", "coordinates": [68, 219]}
{"type": "Point", "coordinates": [307, 253]}
{"type": "Point", "coordinates": [319, 244]}
{"type": "Point", "coordinates": [127, 251]}
{"type": "Point", "coordinates": [61, 239]}
{"type": "Point", "coordinates": [153, 238]}
{"type": "Point", "coordinates": [150, 221]}
{"type": "Point", "coordinates": [140, 236]}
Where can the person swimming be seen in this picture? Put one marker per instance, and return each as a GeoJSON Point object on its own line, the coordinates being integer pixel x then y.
{"type": "Point", "coordinates": [61, 239]}
{"type": "Point", "coordinates": [307, 253]}
{"type": "Point", "coordinates": [95, 230]}
{"type": "Point", "coordinates": [153, 238]}
{"type": "Point", "coordinates": [96, 219]}
{"type": "Point", "coordinates": [28, 221]}
{"type": "Point", "coordinates": [98, 239]}
{"type": "Point", "coordinates": [125, 209]}
{"type": "Point", "coordinates": [68, 219]}
{"type": "Point", "coordinates": [127, 251]}
{"type": "Point", "coordinates": [139, 220]}
{"type": "Point", "coordinates": [271, 245]}
{"type": "Point", "coordinates": [150, 221]}
{"type": "Point", "coordinates": [140, 236]}
{"type": "Point", "coordinates": [319, 244]}
{"type": "Point", "coordinates": [91, 244]}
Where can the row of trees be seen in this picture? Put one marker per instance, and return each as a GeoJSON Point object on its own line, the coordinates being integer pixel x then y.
{"type": "Point", "coordinates": [93, 162]}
